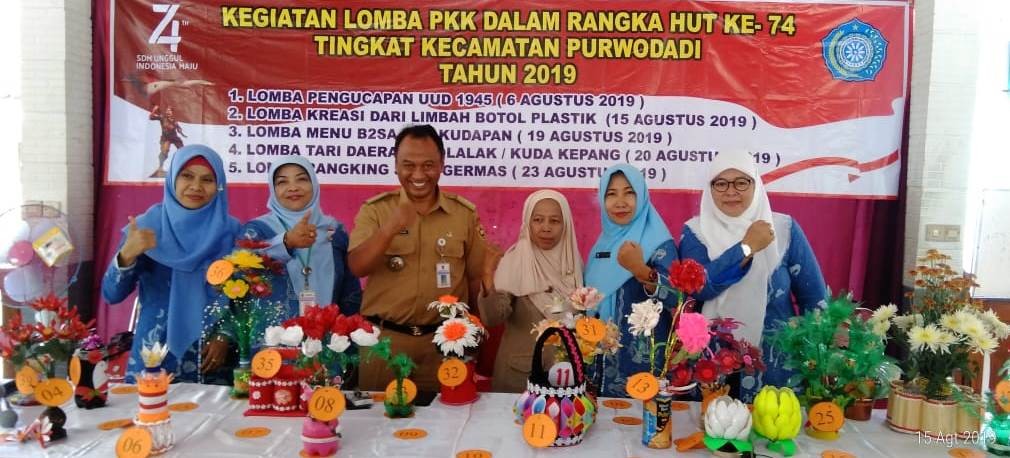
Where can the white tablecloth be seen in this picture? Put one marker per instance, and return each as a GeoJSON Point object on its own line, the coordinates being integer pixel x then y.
{"type": "Point", "coordinates": [209, 431]}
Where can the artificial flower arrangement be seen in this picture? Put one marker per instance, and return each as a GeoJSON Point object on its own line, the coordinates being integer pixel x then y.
{"type": "Point", "coordinates": [942, 330]}
{"type": "Point", "coordinates": [944, 327]}
{"type": "Point", "coordinates": [457, 339]}
{"type": "Point", "coordinates": [247, 285]}
{"type": "Point", "coordinates": [689, 336]}
{"type": "Point", "coordinates": [399, 396]}
{"type": "Point", "coordinates": [48, 342]}
{"type": "Point", "coordinates": [324, 336]}
{"type": "Point", "coordinates": [460, 331]}
{"type": "Point", "coordinates": [317, 350]}
{"type": "Point", "coordinates": [584, 301]}
{"type": "Point", "coordinates": [838, 356]}
{"type": "Point", "coordinates": [705, 353]}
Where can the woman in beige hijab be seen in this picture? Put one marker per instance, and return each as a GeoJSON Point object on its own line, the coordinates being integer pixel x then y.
{"type": "Point", "coordinates": [531, 282]}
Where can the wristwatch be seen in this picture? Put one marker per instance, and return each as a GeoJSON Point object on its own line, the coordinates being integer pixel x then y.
{"type": "Point", "coordinates": [746, 249]}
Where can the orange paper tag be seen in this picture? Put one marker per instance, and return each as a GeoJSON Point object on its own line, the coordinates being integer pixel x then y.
{"type": "Point", "coordinates": [75, 370]}
{"type": "Point", "coordinates": [1002, 395]}
{"type": "Point", "coordinates": [836, 454]}
{"type": "Point", "coordinates": [115, 424]}
{"type": "Point", "coordinates": [183, 406]}
{"type": "Point", "coordinates": [617, 404]}
{"type": "Point", "coordinates": [53, 392]}
{"type": "Point", "coordinates": [961, 452]}
{"type": "Point", "coordinates": [134, 443]}
{"type": "Point", "coordinates": [266, 363]}
{"type": "Point", "coordinates": [26, 380]}
{"type": "Point", "coordinates": [642, 386]}
{"type": "Point", "coordinates": [326, 403]}
{"type": "Point", "coordinates": [409, 389]}
{"type": "Point", "coordinates": [591, 330]}
{"type": "Point", "coordinates": [539, 430]}
{"type": "Point", "coordinates": [452, 372]}
{"type": "Point", "coordinates": [220, 271]}
{"type": "Point", "coordinates": [696, 440]}
{"type": "Point", "coordinates": [126, 389]}
{"type": "Point", "coordinates": [630, 421]}
{"type": "Point", "coordinates": [254, 432]}
{"type": "Point", "coordinates": [474, 453]}
{"type": "Point", "coordinates": [410, 434]}
{"type": "Point", "coordinates": [826, 417]}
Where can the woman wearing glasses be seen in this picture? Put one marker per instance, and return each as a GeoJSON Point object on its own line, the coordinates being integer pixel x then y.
{"type": "Point", "coordinates": [756, 261]}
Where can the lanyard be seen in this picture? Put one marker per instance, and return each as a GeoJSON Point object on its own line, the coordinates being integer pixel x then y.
{"type": "Point", "coordinates": [306, 270]}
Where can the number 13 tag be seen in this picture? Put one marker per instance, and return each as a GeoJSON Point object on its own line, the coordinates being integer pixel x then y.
{"type": "Point", "coordinates": [443, 275]}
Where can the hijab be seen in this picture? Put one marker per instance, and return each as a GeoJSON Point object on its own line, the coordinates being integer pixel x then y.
{"type": "Point", "coordinates": [646, 228]}
{"type": "Point", "coordinates": [526, 270]}
{"type": "Point", "coordinates": [319, 257]}
{"type": "Point", "coordinates": [719, 232]}
{"type": "Point", "coordinates": [187, 242]}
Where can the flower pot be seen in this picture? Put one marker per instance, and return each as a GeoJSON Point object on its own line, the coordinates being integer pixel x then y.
{"type": "Point", "coordinates": [939, 418]}
{"type": "Point", "coordinates": [240, 380]}
{"type": "Point", "coordinates": [92, 389]}
{"type": "Point", "coordinates": [320, 438]}
{"type": "Point", "coordinates": [859, 410]}
{"type": "Point", "coordinates": [969, 425]}
{"type": "Point", "coordinates": [657, 429]}
{"type": "Point", "coordinates": [464, 393]}
{"type": "Point", "coordinates": [904, 410]}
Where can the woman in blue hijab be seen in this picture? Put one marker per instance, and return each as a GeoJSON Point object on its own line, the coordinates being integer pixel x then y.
{"type": "Point", "coordinates": [165, 253]}
{"type": "Point", "coordinates": [311, 244]}
{"type": "Point", "coordinates": [634, 248]}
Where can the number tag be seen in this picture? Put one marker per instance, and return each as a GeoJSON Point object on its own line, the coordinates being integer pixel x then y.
{"type": "Point", "coordinates": [561, 375]}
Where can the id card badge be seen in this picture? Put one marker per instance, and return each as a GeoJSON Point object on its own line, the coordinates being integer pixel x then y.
{"type": "Point", "coordinates": [306, 299]}
{"type": "Point", "coordinates": [443, 276]}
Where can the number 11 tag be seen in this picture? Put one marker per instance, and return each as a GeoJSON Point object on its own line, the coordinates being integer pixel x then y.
{"type": "Point", "coordinates": [443, 276]}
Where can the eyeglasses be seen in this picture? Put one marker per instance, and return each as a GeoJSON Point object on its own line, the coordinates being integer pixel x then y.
{"type": "Point", "coordinates": [740, 184]}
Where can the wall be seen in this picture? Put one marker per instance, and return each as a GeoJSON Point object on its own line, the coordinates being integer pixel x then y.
{"type": "Point", "coordinates": [56, 145]}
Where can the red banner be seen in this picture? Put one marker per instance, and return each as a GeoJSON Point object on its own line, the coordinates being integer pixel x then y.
{"type": "Point", "coordinates": [528, 94]}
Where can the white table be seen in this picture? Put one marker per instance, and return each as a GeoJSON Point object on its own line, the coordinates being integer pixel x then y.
{"type": "Point", "coordinates": [208, 431]}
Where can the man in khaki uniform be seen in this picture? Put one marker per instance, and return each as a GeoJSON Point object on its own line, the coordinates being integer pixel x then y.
{"type": "Point", "coordinates": [414, 245]}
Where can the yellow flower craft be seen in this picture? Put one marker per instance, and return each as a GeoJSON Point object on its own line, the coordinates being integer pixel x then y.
{"type": "Point", "coordinates": [245, 259]}
{"type": "Point", "coordinates": [236, 289]}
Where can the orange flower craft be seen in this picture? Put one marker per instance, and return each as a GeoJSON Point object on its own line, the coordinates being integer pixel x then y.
{"type": "Point", "coordinates": [53, 338]}
{"type": "Point", "coordinates": [460, 331]}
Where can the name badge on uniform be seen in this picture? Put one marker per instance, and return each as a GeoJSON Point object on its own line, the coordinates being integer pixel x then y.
{"type": "Point", "coordinates": [306, 299]}
{"type": "Point", "coordinates": [443, 275]}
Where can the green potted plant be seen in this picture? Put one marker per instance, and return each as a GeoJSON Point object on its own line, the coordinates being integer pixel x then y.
{"type": "Point", "coordinates": [837, 355]}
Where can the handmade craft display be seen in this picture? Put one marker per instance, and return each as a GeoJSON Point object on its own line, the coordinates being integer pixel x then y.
{"type": "Point", "coordinates": [152, 399]}
{"type": "Point", "coordinates": [943, 329]}
{"type": "Point", "coordinates": [457, 338]}
{"type": "Point", "coordinates": [552, 414]}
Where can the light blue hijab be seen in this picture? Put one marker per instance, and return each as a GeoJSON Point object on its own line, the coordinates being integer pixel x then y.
{"type": "Point", "coordinates": [188, 241]}
{"type": "Point", "coordinates": [280, 219]}
{"type": "Point", "coordinates": [646, 228]}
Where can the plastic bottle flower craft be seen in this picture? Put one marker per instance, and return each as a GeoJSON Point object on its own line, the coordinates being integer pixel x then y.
{"type": "Point", "coordinates": [460, 332]}
{"type": "Point", "coordinates": [593, 340]}
{"type": "Point", "coordinates": [457, 339]}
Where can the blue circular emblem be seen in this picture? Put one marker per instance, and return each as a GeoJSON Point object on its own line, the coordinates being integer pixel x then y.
{"type": "Point", "coordinates": [854, 51]}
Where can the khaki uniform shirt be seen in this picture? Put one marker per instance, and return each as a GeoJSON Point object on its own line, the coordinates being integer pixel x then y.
{"type": "Point", "coordinates": [403, 296]}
